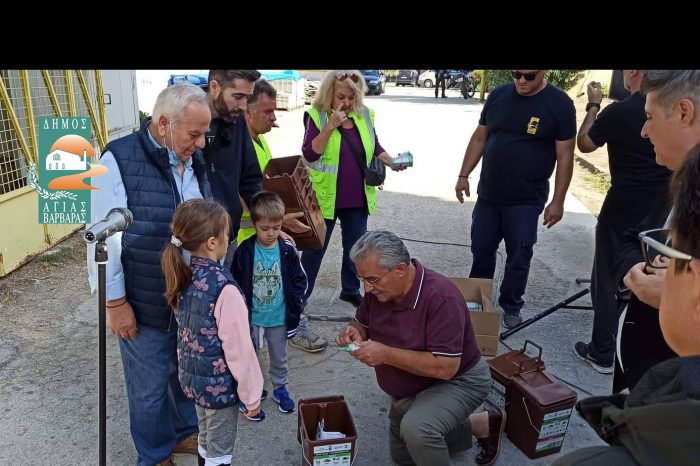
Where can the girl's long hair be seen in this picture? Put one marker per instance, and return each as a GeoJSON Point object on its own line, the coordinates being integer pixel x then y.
{"type": "Point", "coordinates": [194, 222]}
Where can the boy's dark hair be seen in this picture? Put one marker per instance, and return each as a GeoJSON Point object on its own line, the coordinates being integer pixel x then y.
{"type": "Point", "coordinates": [266, 206]}
{"type": "Point", "coordinates": [226, 77]}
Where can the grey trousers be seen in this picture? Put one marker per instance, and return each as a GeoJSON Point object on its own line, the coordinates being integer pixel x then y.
{"type": "Point", "coordinates": [217, 433]}
{"type": "Point", "coordinates": [423, 429]}
{"type": "Point", "coordinates": [276, 338]}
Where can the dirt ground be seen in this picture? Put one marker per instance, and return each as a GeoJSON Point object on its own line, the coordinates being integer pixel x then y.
{"type": "Point", "coordinates": [588, 188]}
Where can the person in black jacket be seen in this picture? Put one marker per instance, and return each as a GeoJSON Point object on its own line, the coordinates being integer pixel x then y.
{"type": "Point", "coordinates": [673, 126]}
{"type": "Point", "coordinates": [659, 421]}
{"type": "Point", "coordinates": [269, 271]}
{"type": "Point", "coordinates": [636, 182]}
{"type": "Point", "coordinates": [232, 166]}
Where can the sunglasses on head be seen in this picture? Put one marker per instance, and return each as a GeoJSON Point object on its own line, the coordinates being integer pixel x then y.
{"type": "Point", "coordinates": [353, 77]}
{"type": "Point", "coordinates": [527, 76]}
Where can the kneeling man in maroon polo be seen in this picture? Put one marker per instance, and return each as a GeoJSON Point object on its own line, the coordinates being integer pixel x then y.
{"type": "Point", "coordinates": [413, 327]}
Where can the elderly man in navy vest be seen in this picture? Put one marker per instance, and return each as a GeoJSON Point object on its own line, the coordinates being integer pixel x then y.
{"type": "Point", "coordinates": [150, 172]}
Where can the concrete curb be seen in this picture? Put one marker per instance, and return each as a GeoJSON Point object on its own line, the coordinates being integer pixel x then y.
{"type": "Point", "coordinates": [590, 167]}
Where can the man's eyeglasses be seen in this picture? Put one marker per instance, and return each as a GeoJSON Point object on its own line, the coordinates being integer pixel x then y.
{"type": "Point", "coordinates": [655, 244]}
{"type": "Point", "coordinates": [527, 76]}
{"type": "Point", "coordinates": [353, 77]}
{"type": "Point", "coordinates": [373, 281]}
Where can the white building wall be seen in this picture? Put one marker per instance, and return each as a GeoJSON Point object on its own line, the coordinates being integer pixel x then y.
{"type": "Point", "coordinates": [121, 102]}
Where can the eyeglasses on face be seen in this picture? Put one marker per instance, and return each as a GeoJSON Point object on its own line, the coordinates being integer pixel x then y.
{"type": "Point", "coordinates": [655, 244]}
{"type": "Point", "coordinates": [373, 281]}
{"type": "Point", "coordinates": [353, 77]}
{"type": "Point", "coordinates": [527, 76]}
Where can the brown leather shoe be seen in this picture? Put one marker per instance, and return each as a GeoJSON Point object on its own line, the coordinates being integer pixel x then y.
{"type": "Point", "coordinates": [491, 445]}
{"type": "Point", "coordinates": [167, 462]}
{"type": "Point", "coordinates": [187, 445]}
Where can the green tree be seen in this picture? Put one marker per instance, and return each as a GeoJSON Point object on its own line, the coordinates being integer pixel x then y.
{"type": "Point", "coordinates": [563, 79]}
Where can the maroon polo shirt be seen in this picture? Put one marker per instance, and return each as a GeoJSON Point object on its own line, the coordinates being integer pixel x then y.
{"type": "Point", "coordinates": [432, 317]}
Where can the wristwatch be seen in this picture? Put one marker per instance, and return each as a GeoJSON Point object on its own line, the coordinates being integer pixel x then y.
{"type": "Point", "coordinates": [590, 105]}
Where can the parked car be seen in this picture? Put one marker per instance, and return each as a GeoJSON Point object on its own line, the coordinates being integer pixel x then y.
{"type": "Point", "coordinates": [407, 78]}
{"type": "Point", "coordinates": [200, 80]}
{"type": "Point", "coordinates": [376, 82]}
{"type": "Point", "coordinates": [310, 89]}
{"type": "Point", "coordinates": [427, 79]}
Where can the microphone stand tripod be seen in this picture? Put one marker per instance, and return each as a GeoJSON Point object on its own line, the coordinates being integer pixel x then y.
{"type": "Point", "coordinates": [117, 219]}
{"type": "Point", "coordinates": [101, 261]}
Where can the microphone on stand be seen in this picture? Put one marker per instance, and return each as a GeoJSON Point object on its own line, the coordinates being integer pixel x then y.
{"type": "Point", "coordinates": [117, 219]}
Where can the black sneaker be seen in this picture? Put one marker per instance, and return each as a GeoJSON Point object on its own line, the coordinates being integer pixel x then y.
{"type": "Point", "coordinates": [257, 418]}
{"type": "Point", "coordinates": [354, 299]}
{"type": "Point", "coordinates": [582, 350]}
{"type": "Point", "coordinates": [511, 320]}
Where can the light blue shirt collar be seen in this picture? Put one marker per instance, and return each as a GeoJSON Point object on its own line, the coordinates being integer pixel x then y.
{"type": "Point", "coordinates": [188, 163]}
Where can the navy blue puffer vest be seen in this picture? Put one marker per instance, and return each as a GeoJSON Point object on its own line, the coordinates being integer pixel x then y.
{"type": "Point", "coordinates": [152, 197]}
{"type": "Point", "coordinates": [203, 372]}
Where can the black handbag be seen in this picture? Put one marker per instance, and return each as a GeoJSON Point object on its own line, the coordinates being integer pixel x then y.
{"type": "Point", "coordinates": [375, 172]}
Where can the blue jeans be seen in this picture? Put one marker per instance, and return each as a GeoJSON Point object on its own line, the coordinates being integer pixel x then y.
{"type": "Point", "coordinates": [517, 225]}
{"type": "Point", "coordinates": [353, 224]}
{"type": "Point", "coordinates": [159, 413]}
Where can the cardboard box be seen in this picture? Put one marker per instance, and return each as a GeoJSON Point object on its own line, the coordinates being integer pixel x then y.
{"type": "Point", "coordinates": [486, 323]}
{"type": "Point", "coordinates": [336, 414]}
{"type": "Point", "coordinates": [290, 179]}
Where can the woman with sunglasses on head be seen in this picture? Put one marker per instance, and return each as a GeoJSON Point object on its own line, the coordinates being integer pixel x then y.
{"type": "Point", "coordinates": [339, 136]}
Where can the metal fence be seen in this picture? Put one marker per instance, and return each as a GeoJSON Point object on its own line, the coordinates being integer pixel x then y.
{"type": "Point", "coordinates": [27, 94]}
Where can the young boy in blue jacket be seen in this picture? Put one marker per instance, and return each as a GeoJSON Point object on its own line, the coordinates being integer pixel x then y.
{"type": "Point", "coordinates": [274, 283]}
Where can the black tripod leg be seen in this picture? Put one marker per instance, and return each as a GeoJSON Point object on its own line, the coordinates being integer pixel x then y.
{"type": "Point", "coordinates": [544, 313]}
{"type": "Point", "coordinates": [101, 260]}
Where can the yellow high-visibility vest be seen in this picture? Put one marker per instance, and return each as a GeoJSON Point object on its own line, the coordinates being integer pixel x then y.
{"type": "Point", "coordinates": [262, 150]}
{"type": "Point", "coordinates": [324, 171]}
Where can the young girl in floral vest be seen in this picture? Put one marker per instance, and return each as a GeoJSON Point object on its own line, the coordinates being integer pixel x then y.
{"type": "Point", "coordinates": [215, 353]}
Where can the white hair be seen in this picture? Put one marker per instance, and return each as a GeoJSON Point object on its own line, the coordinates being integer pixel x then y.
{"type": "Point", "coordinates": [173, 101]}
{"type": "Point", "coordinates": [388, 247]}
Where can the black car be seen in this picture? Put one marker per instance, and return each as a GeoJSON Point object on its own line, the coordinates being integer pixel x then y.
{"type": "Point", "coordinates": [376, 82]}
{"type": "Point", "coordinates": [407, 78]}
